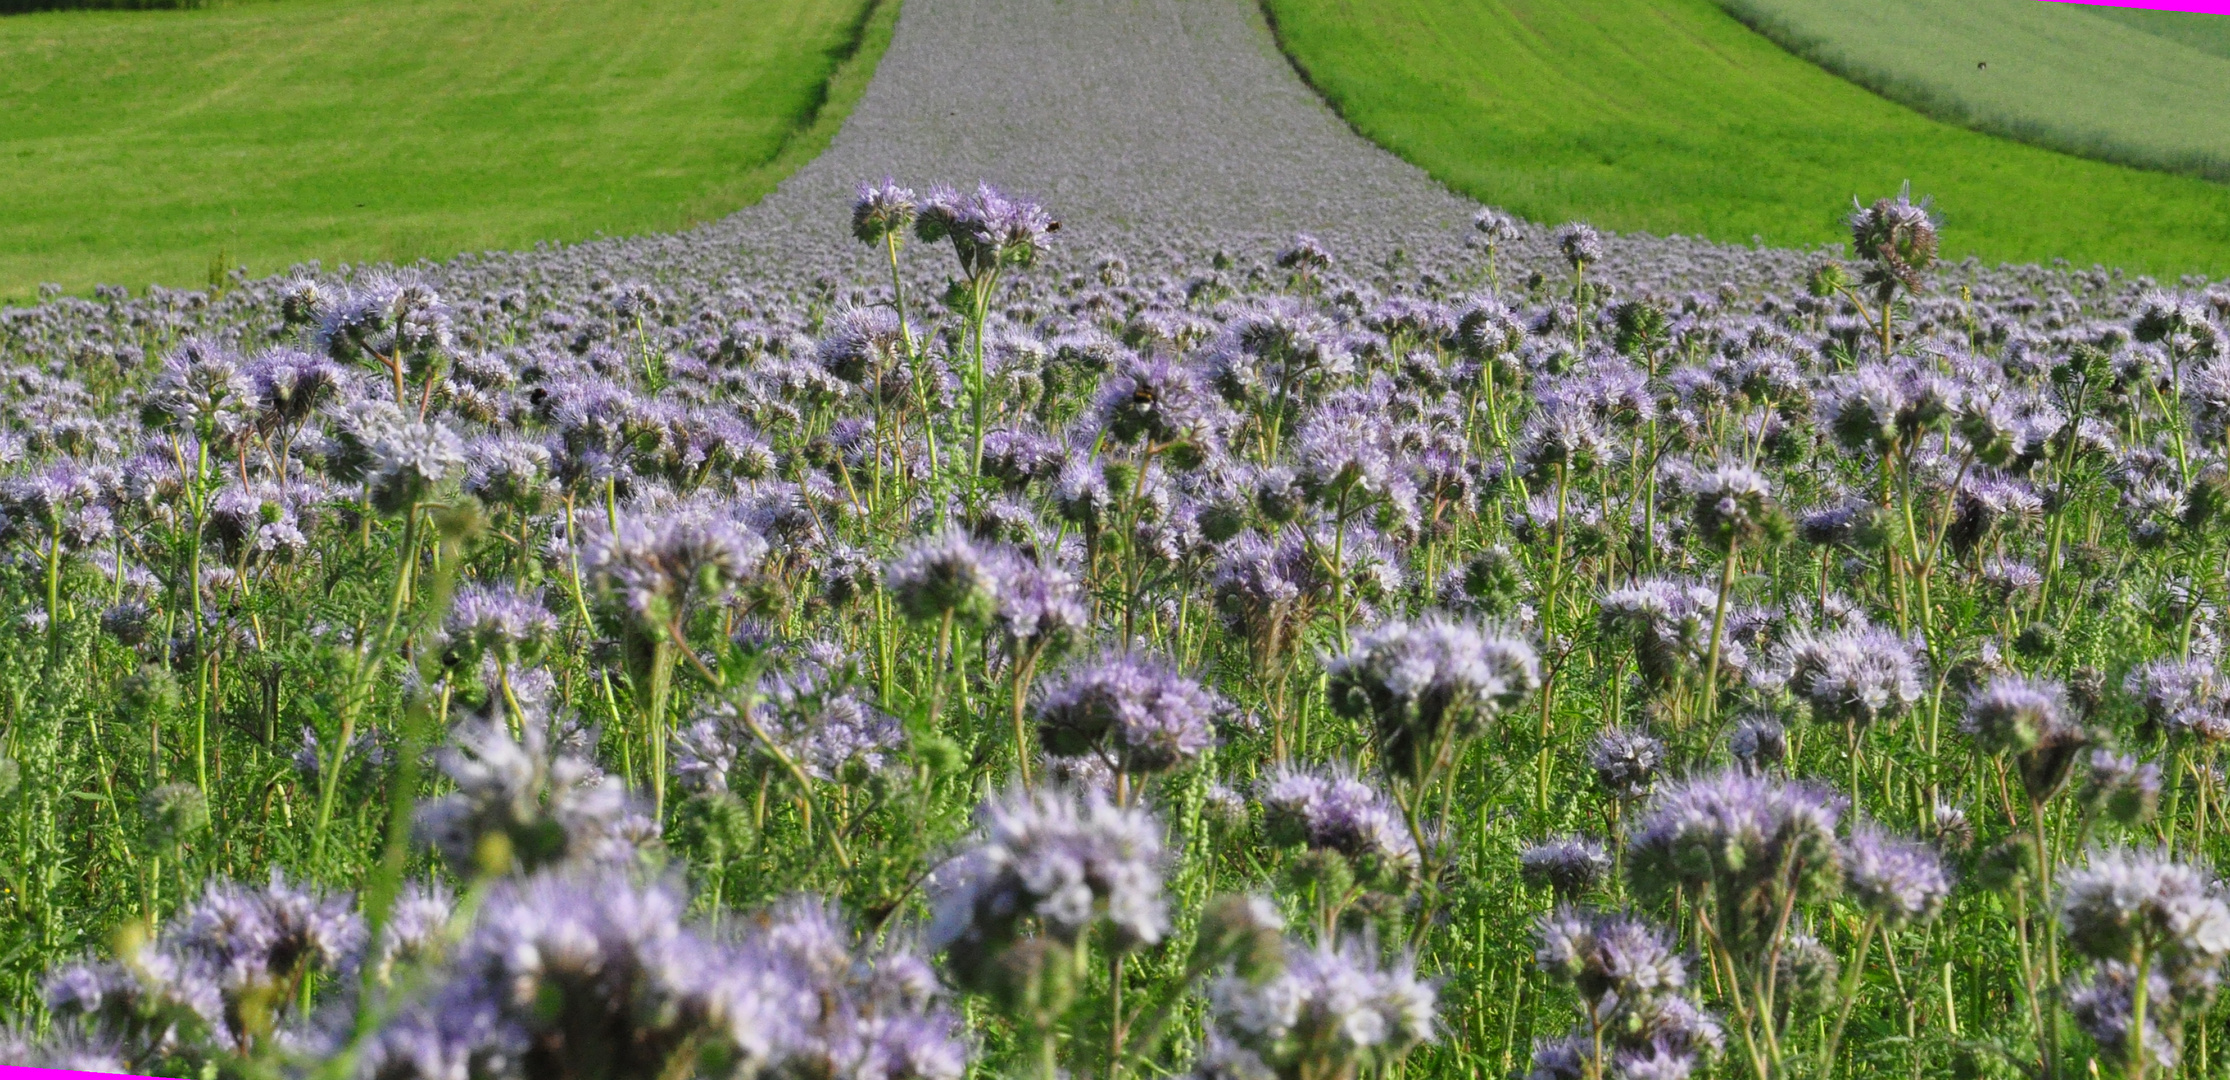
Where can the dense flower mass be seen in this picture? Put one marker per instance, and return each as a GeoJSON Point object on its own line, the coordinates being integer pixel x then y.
{"type": "Point", "coordinates": [1057, 859]}
{"type": "Point", "coordinates": [1633, 986]}
{"type": "Point", "coordinates": [1853, 675]}
{"type": "Point", "coordinates": [601, 617]}
{"type": "Point", "coordinates": [1334, 811]}
{"type": "Point", "coordinates": [1898, 880]}
{"type": "Point", "coordinates": [530, 801]}
{"type": "Point", "coordinates": [2126, 902]}
{"type": "Point", "coordinates": [1137, 709]}
{"type": "Point", "coordinates": [1754, 844]}
{"type": "Point", "coordinates": [1423, 683]}
{"type": "Point", "coordinates": [1570, 866]}
{"type": "Point", "coordinates": [1329, 1012]}
{"type": "Point", "coordinates": [569, 973]}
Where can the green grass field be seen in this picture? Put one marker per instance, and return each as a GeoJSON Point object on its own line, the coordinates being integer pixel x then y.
{"type": "Point", "coordinates": [2055, 75]}
{"type": "Point", "coordinates": [2207, 33]}
{"type": "Point", "coordinates": [1670, 116]}
{"type": "Point", "coordinates": [150, 146]}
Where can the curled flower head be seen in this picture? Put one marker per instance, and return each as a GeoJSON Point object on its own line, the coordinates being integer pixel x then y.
{"type": "Point", "coordinates": [1054, 858]}
{"type": "Point", "coordinates": [1494, 226]}
{"type": "Point", "coordinates": [1853, 675]}
{"type": "Point", "coordinates": [1899, 880]}
{"type": "Point", "coordinates": [2128, 902]}
{"type": "Point", "coordinates": [1570, 866]}
{"type": "Point", "coordinates": [1603, 954]}
{"type": "Point", "coordinates": [1625, 762]}
{"type": "Point", "coordinates": [1634, 989]}
{"type": "Point", "coordinates": [1157, 401]}
{"type": "Point", "coordinates": [1669, 623]}
{"type": "Point", "coordinates": [1581, 245]}
{"type": "Point", "coordinates": [2183, 696]}
{"type": "Point", "coordinates": [948, 572]}
{"type": "Point", "coordinates": [1758, 744]}
{"type": "Point", "coordinates": [202, 392]}
{"type": "Point", "coordinates": [1428, 683]}
{"type": "Point", "coordinates": [603, 969]}
{"type": "Point", "coordinates": [656, 566]}
{"type": "Point", "coordinates": [510, 472]}
{"type": "Point", "coordinates": [2104, 1006]}
{"type": "Point", "coordinates": [988, 230]}
{"type": "Point", "coordinates": [2015, 714]}
{"type": "Point", "coordinates": [410, 460]}
{"type": "Point", "coordinates": [498, 620]}
{"type": "Point", "coordinates": [2121, 788]}
{"type": "Point", "coordinates": [416, 929]}
{"type": "Point", "coordinates": [1330, 1012]}
{"type": "Point", "coordinates": [1753, 840]}
{"type": "Point", "coordinates": [881, 211]}
{"type": "Point", "coordinates": [228, 963]}
{"type": "Point", "coordinates": [528, 802]}
{"type": "Point", "coordinates": [1135, 706]}
{"type": "Point", "coordinates": [2028, 719]}
{"type": "Point", "coordinates": [1897, 238]}
{"type": "Point", "coordinates": [1332, 810]}
{"type": "Point", "coordinates": [812, 709]}
{"type": "Point", "coordinates": [1039, 608]}
{"type": "Point", "coordinates": [1734, 506]}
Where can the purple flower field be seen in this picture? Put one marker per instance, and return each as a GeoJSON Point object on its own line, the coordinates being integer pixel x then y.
{"type": "Point", "coordinates": [915, 634]}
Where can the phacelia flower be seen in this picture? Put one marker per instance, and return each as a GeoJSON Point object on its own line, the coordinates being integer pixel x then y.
{"type": "Point", "coordinates": [1332, 810]}
{"type": "Point", "coordinates": [1135, 707]}
{"type": "Point", "coordinates": [1427, 684]}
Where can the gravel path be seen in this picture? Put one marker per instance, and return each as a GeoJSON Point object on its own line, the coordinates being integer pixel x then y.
{"type": "Point", "coordinates": [1166, 120]}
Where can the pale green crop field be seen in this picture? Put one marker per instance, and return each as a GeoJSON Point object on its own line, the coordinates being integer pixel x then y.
{"type": "Point", "coordinates": [2143, 88]}
{"type": "Point", "coordinates": [2207, 33]}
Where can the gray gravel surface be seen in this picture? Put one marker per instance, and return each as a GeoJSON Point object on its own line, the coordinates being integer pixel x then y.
{"type": "Point", "coordinates": [1133, 120]}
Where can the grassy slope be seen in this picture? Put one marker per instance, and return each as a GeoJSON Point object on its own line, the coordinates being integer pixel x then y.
{"type": "Point", "coordinates": [140, 146]}
{"type": "Point", "coordinates": [2057, 75]}
{"type": "Point", "coordinates": [2205, 32]}
{"type": "Point", "coordinates": [1670, 116]}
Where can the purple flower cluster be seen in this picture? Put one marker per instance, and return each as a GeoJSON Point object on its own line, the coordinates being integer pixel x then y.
{"type": "Point", "coordinates": [1753, 843]}
{"type": "Point", "coordinates": [1569, 866]}
{"type": "Point", "coordinates": [591, 972]}
{"type": "Point", "coordinates": [1853, 675]}
{"type": "Point", "coordinates": [988, 231]}
{"type": "Point", "coordinates": [2140, 914]}
{"type": "Point", "coordinates": [1134, 707]}
{"type": "Point", "coordinates": [1427, 684]}
{"type": "Point", "coordinates": [713, 445]}
{"type": "Point", "coordinates": [526, 802]}
{"type": "Point", "coordinates": [656, 566]}
{"type": "Point", "coordinates": [1332, 810]}
{"type": "Point", "coordinates": [219, 977]}
{"type": "Point", "coordinates": [1898, 880]}
{"type": "Point", "coordinates": [2183, 696]}
{"type": "Point", "coordinates": [500, 621]}
{"type": "Point", "coordinates": [2031, 721]}
{"type": "Point", "coordinates": [814, 710]}
{"type": "Point", "coordinates": [1055, 860]}
{"type": "Point", "coordinates": [1626, 762]}
{"type": "Point", "coordinates": [1669, 623]}
{"type": "Point", "coordinates": [2129, 902]}
{"type": "Point", "coordinates": [1331, 1011]}
{"type": "Point", "coordinates": [1638, 1021]}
